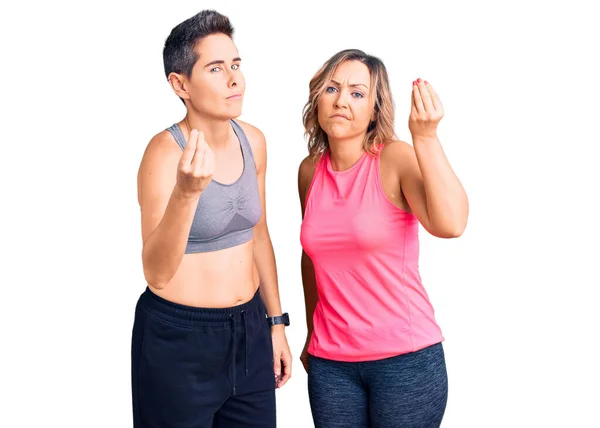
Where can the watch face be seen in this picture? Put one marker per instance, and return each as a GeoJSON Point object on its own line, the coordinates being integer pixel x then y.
{"type": "Point", "coordinates": [283, 319]}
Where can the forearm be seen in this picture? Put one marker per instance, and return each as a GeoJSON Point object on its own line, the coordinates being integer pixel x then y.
{"type": "Point", "coordinates": [447, 203]}
{"type": "Point", "coordinates": [165, 247]}
{"type": "Point", "coordinates": [309, 283]}
{"type": "Point", "coordinates": [264, 258]}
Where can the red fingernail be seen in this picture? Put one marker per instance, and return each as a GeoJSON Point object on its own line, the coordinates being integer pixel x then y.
{"type": "Point", "coordinates": [419, 80]}
{"type": "Point", "coordinates": [426, 82]}
{"type": "Point", "coordinates": [414, 82]}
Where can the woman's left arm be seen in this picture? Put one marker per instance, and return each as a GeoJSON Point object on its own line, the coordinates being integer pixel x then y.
{"type": "Point", "coordinates": [264, 257]}
{"type": "Point", "coordinates": [428, 182]}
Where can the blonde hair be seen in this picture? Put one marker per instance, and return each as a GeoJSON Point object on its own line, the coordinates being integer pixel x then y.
{"type": "Point", "coordinates": [380, 131]}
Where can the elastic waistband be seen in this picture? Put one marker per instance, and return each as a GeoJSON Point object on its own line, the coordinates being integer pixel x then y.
{"type": "Point", "coordinates": [193, 316]}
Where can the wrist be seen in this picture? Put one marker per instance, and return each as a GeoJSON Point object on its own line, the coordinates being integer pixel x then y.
{"type": "Point", "coordinates": [185, 197]}
{"type": "Point", "coordinates": [278, 328]}
{"type": "Point", "coordinates": [279, 320]}
{"type": "Point", "coordinates": [424, 138]}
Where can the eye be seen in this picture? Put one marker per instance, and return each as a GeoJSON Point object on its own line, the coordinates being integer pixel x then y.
{"type": "Point", "coordinates": [214, 70]}
{"type": "Point", "coordinates": [235, 66]}
{"type": "Point", "coordinates": [330, 90]}
{"type": "Point", "coordinates": [357, 95]}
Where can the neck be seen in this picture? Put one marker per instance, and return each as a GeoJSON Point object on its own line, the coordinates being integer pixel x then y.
{"type": "Point", "coordinates": [346, 152]}
{"type": "Point", "coordinates": [217, 133]}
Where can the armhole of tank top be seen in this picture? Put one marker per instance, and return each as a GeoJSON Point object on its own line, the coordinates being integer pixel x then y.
{"type": "Point", "coordinates": [381, 190]}
{"type": "Point", "coordinates": [312, 182]}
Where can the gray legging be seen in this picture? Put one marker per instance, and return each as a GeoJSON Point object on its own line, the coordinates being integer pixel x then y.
{"type": "Point", "coordinates": [406, 391]}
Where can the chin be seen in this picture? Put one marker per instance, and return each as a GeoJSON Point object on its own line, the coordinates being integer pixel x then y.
{"type": "Point", "coordinates": [230, 113]}
{"type": "Point", "coordinates": [337, 132]}
{"type": "Point", "coordinates": [236, 110]}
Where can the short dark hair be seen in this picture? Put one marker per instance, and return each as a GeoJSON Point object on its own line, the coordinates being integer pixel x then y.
{"type": "Point", "coordinates": [179, 55]}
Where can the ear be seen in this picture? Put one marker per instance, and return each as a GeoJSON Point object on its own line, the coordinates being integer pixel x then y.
{"type": "Point", "coordinates": [178, 84]}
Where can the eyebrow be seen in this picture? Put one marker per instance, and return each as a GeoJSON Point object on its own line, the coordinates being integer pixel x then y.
{"type": "Point", "coordinates": [220, 61]}
{"type": "Point", "coordinates": [353, 85]}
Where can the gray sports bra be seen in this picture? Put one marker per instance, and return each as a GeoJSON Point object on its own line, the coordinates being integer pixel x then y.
{"type": "Point", "coordinates": [226, 213]}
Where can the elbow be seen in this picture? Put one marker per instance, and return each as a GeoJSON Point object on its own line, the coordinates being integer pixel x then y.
{"type": "Point", "coordinates": [454, 233]}
{"type": "Point", "coordinates": [449, 231]}
{"type": "Point", "coordinates": [154, 280]}
{"type": "Point", "coordinates": [152, 276]}
{"type": "Point", "coordinates": [456, 230]}
{"type": "Point", "coordinates": [447, 234]}
{"type": "Point", "coordinates": [454, 223]}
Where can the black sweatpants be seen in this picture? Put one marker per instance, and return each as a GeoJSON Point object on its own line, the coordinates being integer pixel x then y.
{"type": "Point", "coordinates": [201, 367]}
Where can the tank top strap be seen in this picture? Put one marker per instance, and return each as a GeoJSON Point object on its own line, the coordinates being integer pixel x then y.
{"type": "Point", "coordinates": [175, 131]}
{"type": "Point", "coordinates": [177, 134]}
{"type": "Point", "coordinates": [245, 145]}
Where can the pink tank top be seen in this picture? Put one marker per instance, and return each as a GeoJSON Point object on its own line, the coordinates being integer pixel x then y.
{"type": "Point", "coordinates": [365, 252]}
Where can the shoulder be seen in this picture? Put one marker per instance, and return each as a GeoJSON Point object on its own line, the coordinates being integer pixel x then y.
{"type": "Point", "coordinates": [307, 168]}
{"type": "Point", "coordinates": [162, 147]}
{"type": "Point", "coordinates": [162, 154]}
{"type": "Point", "coordinates": [396, 156]}
{"type": "Point", "coordinates": [395, 150]}
{"type": "Point", "coordinates": [306, 172]}
{"type": "Point", "coordinates": [159, 164]}
{"type": "Point", "coordinates": [258, 143]}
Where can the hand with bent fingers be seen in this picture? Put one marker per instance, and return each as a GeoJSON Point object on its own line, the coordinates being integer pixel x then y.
{"type": "Point", "coordinates": [426, 111]}
{"type": "Point", "coordinates": [304, 355]}
{"type": "Point", "coordinates": [196, 166]}
{"type": "Point", "coordinates": [282, 357]}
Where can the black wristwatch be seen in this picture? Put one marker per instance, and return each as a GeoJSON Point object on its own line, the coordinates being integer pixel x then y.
{"type": "Point", "coordinates": [283, 319]}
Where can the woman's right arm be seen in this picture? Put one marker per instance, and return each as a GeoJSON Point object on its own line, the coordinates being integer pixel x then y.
{"type": "Point", "coordinates": [170, 183]}
{"type": "Point", "coordinates": [309, 282]}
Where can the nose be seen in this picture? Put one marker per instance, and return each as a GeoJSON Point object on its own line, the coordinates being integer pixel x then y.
{"type": "Point", "coordinates": [233, 80]}
{"type": "Point", "coordinates": [341, 101]}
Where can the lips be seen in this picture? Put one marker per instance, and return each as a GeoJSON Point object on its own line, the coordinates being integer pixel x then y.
{"type": "Point", "coordinates": [235, 97]}
{"type": "Point", "coordinates": [341, 115]}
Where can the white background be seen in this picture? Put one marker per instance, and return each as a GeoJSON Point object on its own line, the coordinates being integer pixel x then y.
{"type": "Point", "coordinates": [83, 91]}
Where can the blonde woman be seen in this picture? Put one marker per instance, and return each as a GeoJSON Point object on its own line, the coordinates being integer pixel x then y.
{"type": "Point", "coordinates": [374, 351]}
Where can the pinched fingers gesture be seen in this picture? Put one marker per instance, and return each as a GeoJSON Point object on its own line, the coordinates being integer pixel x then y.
{"type": "Point", "coordinates": [196, 166]}
{"type": "Point", "coordinates": [426, 110]}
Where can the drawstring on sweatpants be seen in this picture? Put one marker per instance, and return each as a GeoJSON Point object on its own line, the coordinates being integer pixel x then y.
{"type": "Point", "coordinates": [245, 342]}
{"type": "Point", "coordinates": [234, 345]}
